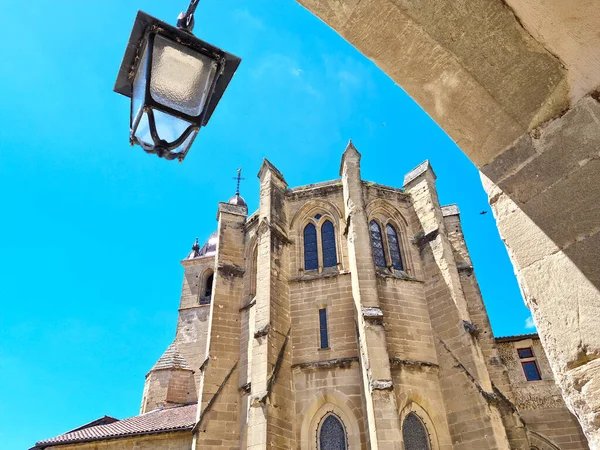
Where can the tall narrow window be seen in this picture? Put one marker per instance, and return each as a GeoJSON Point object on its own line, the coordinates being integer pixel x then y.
{"type": "Point", "coordinates": [377, 244]}
{"type": "Point", "coordinates": [332, 435]}
{"type": "Point", "coordinates": [206, 287]}
{"type": "Point", "coordinates": [209, 284]}
{"type": "Point", "coordinates": [394, 247]}
{"type": "Point", "coordinates": [414, 434]}
{"type": "Point", "coordinates": [328, 243]}
{"type": "Point", "coordinates": [323, 328]}
{"type": "Point", "coordinates": [311, 258]}
{"type": "Point", "coordinates": [254, 273]}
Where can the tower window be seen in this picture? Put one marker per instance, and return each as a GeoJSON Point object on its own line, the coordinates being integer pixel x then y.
{"type": "Point", "coordinates": [394, 248]}
{"type": "Point", "coordinates": [377, 244]}
{"type": "Point", "coordinates": [328, 244]}
{"type": "Point", "coordinates": [206, 287]}
{"type": "Point", "coordinates": [414, 434]}
{"type": "Point", "coordinates": [530, 367]}
{"type": "Point", "coordinates": [311, 257]}
{"type": "Point", "coordinates": [332, 435]}
{"type": "Point", "coordinates": [209, 284]}
{"type": "Point", "coordinates": [323, 333]}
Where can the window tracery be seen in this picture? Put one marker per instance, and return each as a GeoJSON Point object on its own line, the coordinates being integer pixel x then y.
{"type": "Point", "coordinates": [377, 244]}
{"type": "Point", "coordinates": [414, 434]}
{"type": "Point", "coordinates": [328, 244]}
{"type": "Point", "coordinates": [311, 255]}
{"type": "Point", "coordinates": [394, 248]}
{"type": "Point", "coordinates": [332, 434]}
{"type": "Point", "coordinates": [320, 247]}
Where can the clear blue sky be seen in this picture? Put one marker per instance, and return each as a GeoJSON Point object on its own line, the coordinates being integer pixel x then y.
{"type": "Point", "coordinates": [92, 231]}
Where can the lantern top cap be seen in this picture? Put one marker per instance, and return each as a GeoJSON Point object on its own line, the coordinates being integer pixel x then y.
{"type": "Point", "coordinates": [144, 25]}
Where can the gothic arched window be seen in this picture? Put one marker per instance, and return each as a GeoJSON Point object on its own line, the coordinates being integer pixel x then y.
{"type": "Point", "coordinates": [328, 244]}
{"type": "Point", "coordinates": [414, 434]}
{"type": "Point", "coordinates": [311, 257]}
{"type": "Point", "coordinates": [332, 434]}
{"type": "Point", "coordinates": [394, 248]}
{"type": "Point", "coordinates": [377, 244]}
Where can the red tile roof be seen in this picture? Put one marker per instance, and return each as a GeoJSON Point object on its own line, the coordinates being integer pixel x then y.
{"type": "Point", "coordinates": [163, 420]}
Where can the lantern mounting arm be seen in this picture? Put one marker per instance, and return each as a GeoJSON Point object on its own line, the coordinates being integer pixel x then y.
{"type": "Point", "coordinates": [185, 21]}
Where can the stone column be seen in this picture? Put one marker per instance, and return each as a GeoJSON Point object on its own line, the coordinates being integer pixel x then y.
{"type": "Point", "coordinates": [380, 401]}
{"type": "Point", "coordinates": [545, 196]}
{"type": "Point", "coordinates": [218, 409]}
{"type": "Point", "coordinates": [464, 378]}
{"type": "Point", "coordinates": [271, 415]}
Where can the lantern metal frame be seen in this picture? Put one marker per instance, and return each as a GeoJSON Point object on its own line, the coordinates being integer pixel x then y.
{"type": "Point", "coordinates": [145, 30]}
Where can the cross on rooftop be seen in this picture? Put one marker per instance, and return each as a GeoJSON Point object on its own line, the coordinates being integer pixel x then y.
{"type": "Point", "coordinates": [238, 178]}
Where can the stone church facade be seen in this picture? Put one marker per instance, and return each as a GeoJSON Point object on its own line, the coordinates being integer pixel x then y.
{"type": "Point", "coordinates": [341, 315]}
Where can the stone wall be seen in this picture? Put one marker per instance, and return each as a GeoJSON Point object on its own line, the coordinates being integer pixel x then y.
{"type": "Point", "coordinates": [164, 441]}
{"type": "Point", "coordinates": [193, 319]}
{"type": "Point", "coordinates": [540, 403]}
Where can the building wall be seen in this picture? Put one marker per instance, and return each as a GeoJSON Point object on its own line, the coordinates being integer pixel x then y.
{"type": "Point", "coordinates": [540, 402]}
{"type": "Point", "coordinates": [165, 441]}
{"type": "Point", "coordinates": [416, 340]}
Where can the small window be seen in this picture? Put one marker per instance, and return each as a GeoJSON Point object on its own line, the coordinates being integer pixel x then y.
{"type": "Point", "coordinates": [531, 371]}
{"type": "Point", "coordinates": [525, 352]}
{"type": "Point", "coordinates": [311, 258]}
{"type": "Point", "coordinates": [332, 435]}
{"type": "Point", "coordinates": [377, 244]}
{"type": "Point", "coordinates": [323, 328]}
{"type": "Point", "coordinates": [394, 247]}
{"type": "Point", "coordinates": [328, 243]}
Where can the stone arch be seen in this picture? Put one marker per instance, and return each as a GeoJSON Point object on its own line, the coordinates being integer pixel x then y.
{"type": "Point", "coordinates": [205, 286]}
{"type": "Point", "coordinates": [326, 402]}
{"type": "Point", "coordinates": [385, 213]}
{"type": "Point", "coordinates": [313, 207]}
{"type": "Point", "coordinates": [306, 214]}
{"type": "Point", "coordinates": [414, 408]}
{"type": "Point", "coordinates": [540, 442]}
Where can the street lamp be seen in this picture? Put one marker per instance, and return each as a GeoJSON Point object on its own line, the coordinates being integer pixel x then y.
{"type": "Point", "coordinates": [174, 80]}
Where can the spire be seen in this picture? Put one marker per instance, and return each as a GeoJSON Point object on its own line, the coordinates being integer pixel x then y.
{"type": "Point", "coordinates": [350, 154]}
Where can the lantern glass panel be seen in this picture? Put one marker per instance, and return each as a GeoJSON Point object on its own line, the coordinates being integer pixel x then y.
{"type": "Point", "coordinates": [181, 78]}
{"type": "Point", "coordinates": [139, 86]}
{"type": "Point", "coordinates": [168, 128]}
